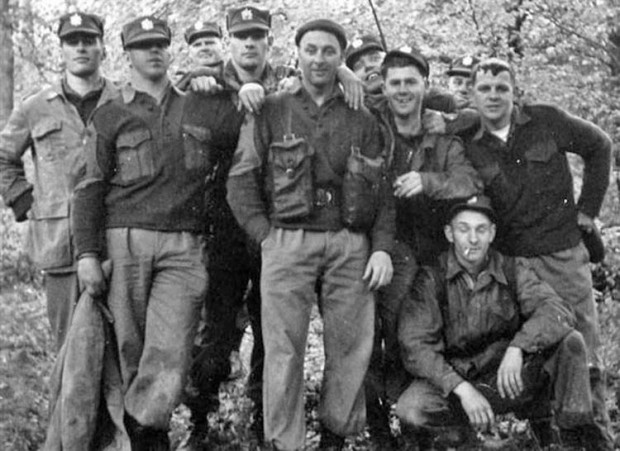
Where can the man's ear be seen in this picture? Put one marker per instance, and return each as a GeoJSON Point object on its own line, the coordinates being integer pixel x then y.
{"type": "Point", "coordinates": [493, 230]}
{"type": "Point", "coordinates": [104, 52]}
{"type": "Point", "coordinates": [270, 40]}
{"type": "Point", "coordinates": [447, 230]}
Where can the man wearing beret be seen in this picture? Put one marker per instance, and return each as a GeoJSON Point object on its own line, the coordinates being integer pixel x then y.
{"type": "Point", "coordinates": [55, 125]}
{"type": "Point", "coordinates": [520, 153]}
{"type": "Point", "coordinates": [206, 53]}
{"type": "Point", "coordinates": [483, 335]}
{"type": "Point", "coordinates": [306, 185]}
{"type": "Point", "coordinates": [459, 79]}
{"type": "Point", "coordinates": [142, 205]}
{"type": "Point", "coordinates": [428, 172]}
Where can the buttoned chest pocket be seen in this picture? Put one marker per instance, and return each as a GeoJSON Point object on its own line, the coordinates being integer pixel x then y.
{"type": "Point", "coordinates": [135, 159]}
{"type": "Point", "coordinates": [541, 160]}
{"type": "Point", "coordinates": [196, 142]}
{"type": "Point", "coordinates": [503, 312]}
{"type": "Point", "coordinates": [48, 138]}
{"type": "Point", "coordinates": [291, 178]}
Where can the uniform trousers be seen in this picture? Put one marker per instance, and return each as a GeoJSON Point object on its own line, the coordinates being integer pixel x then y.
{"type": "Point", "coordinates": [568, 273]}
{"type": "Point", "coordinates": [292, 263]}
{"type": "Point", "coordinates": [155, 295]}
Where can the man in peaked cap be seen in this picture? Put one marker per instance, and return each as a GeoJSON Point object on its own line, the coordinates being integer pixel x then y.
{"type": "Point", "coordinates": [206, 52]}
{"type": "Point", "coordinates": [517, 351]}
{"type": "Point", "coordinates": [54, 125]}
{"type": "Point", "coordinates": [364, 57]}
{"type": "Point", "coordinates": [144, 192]}
{"type": "Point", "coordinates": [306, 235]}
{"type": "Point", "coordinates": [459, 81]}
{"type": "Point", "coordinates": [428, 172]}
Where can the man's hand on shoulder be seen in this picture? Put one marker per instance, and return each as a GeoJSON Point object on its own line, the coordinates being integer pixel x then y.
{"type": "Point", "coordinates": [509, 380]}
{"type": "Point", "coordinates": [585, 222]}
{"type": "Point", "coordinates": [291, 84]}
{"type": "Point", "coordinates": [205, 84]}
{"type": "Point", "coordinates": [251, 97]}
{"type": "Point", "coordinates": [91, 275]}
{"type": "Point", "coordinates": [379, 270]}
{"type": "Point", "coordinates": [475, 405]}
{"type": "Point", "coordinates": [352, 86]}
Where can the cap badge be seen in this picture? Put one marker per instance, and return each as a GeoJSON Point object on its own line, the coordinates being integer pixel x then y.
{"type": "Point", "coordinates": [198, 25]}
{"type": "Point", "coordinates": [472, 200]}
{"type": "Point", "coordinates": [75, 20]}
{"type": "Point", "coordinates": [357, 43]}
{"type": "Point", "coordinates": [406, 49]}
{"type": "Point", "coordinates": [146, 24]}
{"type": "Point", "coordinates": [468, 61]}
{"type": "Point", "coordinates": [247, 14]}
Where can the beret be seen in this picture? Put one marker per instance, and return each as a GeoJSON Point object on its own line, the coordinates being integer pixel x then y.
{"type": "Point", "coordinates": [326, 25]}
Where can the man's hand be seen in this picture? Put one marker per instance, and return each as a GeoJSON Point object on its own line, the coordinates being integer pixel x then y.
{"type": "Point", "coordinates": [91, 276]}
{"type": "Point", "coordinates": [509, 381]}
{"type": "Point", "coordinates": [251, 97]}
{"type": "Point", "coordinates": [352, 86]}
{"type": "Point", "coordinates": [433, 122]}
{"type": "Point", "coordinates": [379, 270]}
{"type": "Point", "coordinates": [291, 84]}
{"type": "Point", "coordinates": [408, 185]}
{"type": "Point", "coordinates": [585, 222]}
{"type": "Point", "coordinates": [205, 84]}
{"type": "Point", "coordinates": [475, 405]}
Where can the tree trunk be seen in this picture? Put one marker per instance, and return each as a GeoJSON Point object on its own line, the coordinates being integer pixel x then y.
{"type": "Point", "coordinates": [7, 62]}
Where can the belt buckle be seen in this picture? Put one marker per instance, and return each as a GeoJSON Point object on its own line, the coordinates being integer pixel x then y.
{"type": "Point", "coordinates": [323, 197]}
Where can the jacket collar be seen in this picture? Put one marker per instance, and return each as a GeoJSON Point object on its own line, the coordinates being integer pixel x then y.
{"type": "Point", "coordinates": [493, 266]}
{"type": "Point", "coordinates": [128, 92]}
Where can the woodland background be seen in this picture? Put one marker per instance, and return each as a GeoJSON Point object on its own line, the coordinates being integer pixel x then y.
{"type": "Point", "coordinates": [566, 52]}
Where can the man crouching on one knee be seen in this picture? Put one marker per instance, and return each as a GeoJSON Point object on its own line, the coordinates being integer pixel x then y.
{"type": "Point", "coordinates": [483, 335]}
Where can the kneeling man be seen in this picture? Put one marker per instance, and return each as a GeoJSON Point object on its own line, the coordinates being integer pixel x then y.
{"type": "Point", "coordinates": [484, 335]}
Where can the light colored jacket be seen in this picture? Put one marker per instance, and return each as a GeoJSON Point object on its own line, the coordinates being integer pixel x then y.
{"type": "Point", "coordinates": [51, 127]}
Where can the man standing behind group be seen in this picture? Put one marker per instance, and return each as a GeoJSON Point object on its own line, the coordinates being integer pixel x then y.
{"type": "Point", "coordinates": [206, 52]}
{"type": "Point", "coordinates": [520, 152]}
{"type": "Point", "coordinates": [459, 80]}
{"type": "Point", "coordinates": [54, 124]}
{"type": "Point", "coordinates": [288, 189]}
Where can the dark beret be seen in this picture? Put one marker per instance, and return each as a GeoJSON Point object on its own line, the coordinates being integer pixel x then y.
{"type": "Point", "coordinates": [326, 25]}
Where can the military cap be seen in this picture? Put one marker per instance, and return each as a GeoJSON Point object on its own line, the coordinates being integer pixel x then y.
{"type": "Point", "coordinates": [462, 66]}
{"type": "Point", "coordinates": [361, 45]}
{"type": "Point", "coordinates": [247, 18]}
{"type": "Point", "coordinates": [326, 25]}
{"type": "Point", "coordinates": [78, 22]}
{"type": "Point", "coordinates": [201, 29]}
{"type": "Point", "coordinates": [412, 55]}
{"type": "Point", "coordinates": [479, 203]}
{"type": "Point", "coordinates": [145, 29]}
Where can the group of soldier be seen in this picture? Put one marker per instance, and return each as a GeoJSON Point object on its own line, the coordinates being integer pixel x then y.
{"type": "Point", "coordinates": [437, 231]}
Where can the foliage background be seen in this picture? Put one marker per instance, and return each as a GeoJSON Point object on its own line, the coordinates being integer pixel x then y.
{"type": "Point", "coordinates": [566, 52]}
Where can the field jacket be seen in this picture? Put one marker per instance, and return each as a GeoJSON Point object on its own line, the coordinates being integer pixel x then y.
{"type": "Point", "coordinates": [49, 125]}
{"type": "Point", "coordinates": [453, 326]}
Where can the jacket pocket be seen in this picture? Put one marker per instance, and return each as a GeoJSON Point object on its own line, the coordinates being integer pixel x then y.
{"type": "Point", "coordinates": [292, 179]}
{"type": "Point", "coordinates": [361, 190]}
{"type": "Point", "coordinates": [195, 146]}
{"type": "Point", "coordinates": [134, 157]}
{"type": "Point", "coordinates": [48, 140]}
{"type": "Point", "coordinates": [49, 235]}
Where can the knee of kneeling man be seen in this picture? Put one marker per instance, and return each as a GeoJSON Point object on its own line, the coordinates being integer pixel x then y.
{"type": "Point", "coordinates": [574, 343]}
{"type": "Point", "coordinates": [410, 413]}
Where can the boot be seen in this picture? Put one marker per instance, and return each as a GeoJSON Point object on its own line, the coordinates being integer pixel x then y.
{"type": "Point", "coordinates": [330, 441]}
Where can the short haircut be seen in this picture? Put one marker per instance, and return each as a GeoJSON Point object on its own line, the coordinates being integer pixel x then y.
{"type": "Point", "coordinates": [495, 66]}
{"type": "Point", "coordinates": [401, 61]}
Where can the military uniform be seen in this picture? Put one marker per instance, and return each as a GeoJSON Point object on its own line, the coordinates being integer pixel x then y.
{"type": "Point", "coordinates": [142, 205]}
{"type": "Point", "coordinates": [55, 124]}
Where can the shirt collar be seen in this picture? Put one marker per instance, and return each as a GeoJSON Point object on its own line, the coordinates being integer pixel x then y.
{"type": "Point", "coordinates": [493, 266]}
{"type": "Point", "coordinates": [518, 117]}
{"type": "Point", "coordinates": [128, 92]}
